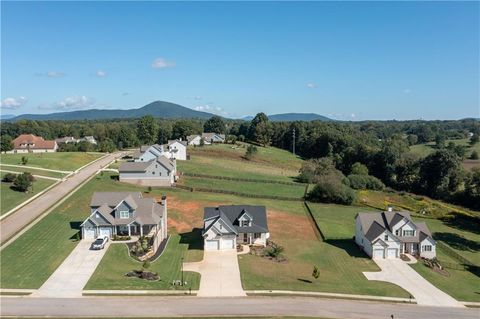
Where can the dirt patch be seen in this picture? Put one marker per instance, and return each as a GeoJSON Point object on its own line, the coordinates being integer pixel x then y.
{"type": "Point", "coordinates": [285, 225]}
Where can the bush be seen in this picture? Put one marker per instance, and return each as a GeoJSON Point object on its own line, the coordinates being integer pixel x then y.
{"type": "Point", "coordinates": [251, 150]}
{"type": "Point", "coordinates": [22, 183]}
{"type": "Point", "coordinates": [330, 190]}
{"type": "Point", "coordinates": [359, 169]}
{"type": "Point", "coordinates": [316, 272]}
{"type": "Point", "coordinates": [474, 155]}
{"type": "Point", "coordinates": [9, 177]}
{"type": "Point", "coordinates": [365, 182]}
{"type": "Point", "coordinates": [274, 250]}
{"type": "Point", "coordinates": [24, 160]}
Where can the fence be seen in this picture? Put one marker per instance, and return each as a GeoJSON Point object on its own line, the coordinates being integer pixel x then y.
{"type": "Point", "coordinates": [222, 191]}
{"type": "Point", "coordinates": [238, 179]}
{"type": "Point", "coordinates": [316, 227]}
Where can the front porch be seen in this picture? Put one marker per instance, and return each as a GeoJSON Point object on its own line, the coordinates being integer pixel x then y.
{"type": "Point", "coordinates": [409, 248]}
{"type": "Point", "coordinates": [135, 229]}
{"type": "Point", "coordinates": [252, 239]}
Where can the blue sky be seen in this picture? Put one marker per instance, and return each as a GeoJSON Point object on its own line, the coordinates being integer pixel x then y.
{"type": "Point", "coordinates": [346, 60]}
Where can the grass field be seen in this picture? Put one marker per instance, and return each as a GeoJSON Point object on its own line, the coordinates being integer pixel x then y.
{"type": "Point", "coordinates": [254, 188]}
{"type": "Point", "coordinates": [227, 160]}
{"type": "Point", "coordinates": [32, 171]}
{"type": "Point", "coordinates": [116, 262]}
{"type": "Point", "coordinates": [62, 161]}
{"type": "Point", "coordinates": [11, 198]}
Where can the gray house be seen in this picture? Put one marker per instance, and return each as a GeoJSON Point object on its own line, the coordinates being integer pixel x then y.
{"type": "Point", "coordinates": [211, 138]}
{"type": "Point", "coordinates": [389, 234]}
{"type": "Point", "coordinates": [158, 172]}
{"type": "Point", "coordinates": [227, 226]}
{"type": "Point", "coordinates": [125, 213]}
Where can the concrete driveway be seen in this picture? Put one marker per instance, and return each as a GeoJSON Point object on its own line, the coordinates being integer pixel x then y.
{"type": "Point", "coordinates": [220, 274]}
{"type": "Point", "coordinates": [398, 272]}
{"type": "Point", "coordinates": [73, 274]}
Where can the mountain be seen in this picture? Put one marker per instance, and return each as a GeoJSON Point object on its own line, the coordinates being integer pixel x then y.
{"type": "Point", "coordinates": [290, 117]}
{"type": "Point", "coordinates": [159, 109]}
{"type": "Point", "coordinates": [6, 116]}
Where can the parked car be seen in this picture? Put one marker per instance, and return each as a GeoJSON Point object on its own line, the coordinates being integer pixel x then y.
{"type": "Point", "coordinates": [100, 242]}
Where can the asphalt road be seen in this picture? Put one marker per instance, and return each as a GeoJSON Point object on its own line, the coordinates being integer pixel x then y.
{"type": "Point", "coordinates": [239, 306]}
{"type": "Point", "coordinates": [14, 223]}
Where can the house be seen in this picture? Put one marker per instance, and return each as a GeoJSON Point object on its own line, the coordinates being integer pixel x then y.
{"type": "Point", "coordinates": [177, 149]}
{"type": "Point", "coordinates": [66, 140]}
{"type": "Point", "coordinates": [227, 226]}
{"type": "Point", "coordinates": [89, 139]}
{"type": "Point", "coordinates": [125, 213]}
{"type": "Point", "coordinates": [213, 138]}
{"type": "Point", "coordinates": [389, 234]}
{"type": "Point", "coordinates": [148, 153]}
{"type": "Point", "coordinates": [29, 143]}
{"type": "Point", "coordinates": [158, 172]}
{"type": "Point", "coordinates": [194, 140]}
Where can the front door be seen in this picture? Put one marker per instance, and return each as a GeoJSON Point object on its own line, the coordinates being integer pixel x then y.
{"type": "Point", "coordinates": [245, 238]}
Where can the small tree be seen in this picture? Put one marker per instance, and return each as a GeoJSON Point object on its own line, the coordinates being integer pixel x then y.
{"type": "Point", "coordinates": [9, 178]}
{"type": "Point", "coordinates": [474, 155]}
{"type": "Point", "coordinates": [251, 150]}
{"type": "Point", "coordinates": [22, 183]}
{"type": "Point", "coordinates": [24, 160]}
{"type": "Point", "coordinates": [316, 272]}
{"type": "Point", "coordinates": [202, 142]}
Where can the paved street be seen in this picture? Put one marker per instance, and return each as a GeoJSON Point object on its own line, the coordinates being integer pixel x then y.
{"type": "Point", "coordinates": [136, 307]}
{"type": "Point", "coordinates": [398, 272]}
{"type": "Point", "coordinates": [220, 274]}
{"type": "Point", "coordinates": [73, 274]}
{"type": "Point", "coordinates": [14, 223]}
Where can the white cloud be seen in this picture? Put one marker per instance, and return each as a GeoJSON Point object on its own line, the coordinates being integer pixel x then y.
{"type": "Point", "coordinates": [101, 74]}
{"type": "Point", "coordinates": [311, 85]}
{"type": "Point", "coordinates": [161, 63]}
{"type": "Point", "coordinates": [52, 74]}
{"type": "Point", "coordinates": [11, 103]}
{"type": "Point", "coordinates": [71, 103]}
{"type": "Point", "coordinates": [211, 109]}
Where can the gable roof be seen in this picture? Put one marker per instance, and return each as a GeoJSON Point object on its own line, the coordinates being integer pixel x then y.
{"type": "Point", "coordinates": [170, 142]}
{"type": "Point", "coordinates": [112, 199]}
{"type": "Point", "coordinates": [143, 166]}
{"type": "Point", "coordinates": [33, 142]}
{"type": "Point", "coordinates": [211, 135]}
{"type": "Point", "coordinates": [231, 213]}
{"type": "Point", "coordinates": [192, 137]}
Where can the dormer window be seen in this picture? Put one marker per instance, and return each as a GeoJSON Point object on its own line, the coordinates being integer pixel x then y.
{"type": "Point", "coordinates": [97, 215]}
{"type": "Point", "coordinates": [385, 237]}
{"type": "Point", "coordinates": [408, 233]}
{"type": "Point", "coordinates": [124, 214]}
{"type": "Point", "coordinates": [245, 223]}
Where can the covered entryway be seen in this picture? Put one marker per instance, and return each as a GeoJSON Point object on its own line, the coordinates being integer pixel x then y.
{"type": "Point", "coordinates": [105, 231]}
{"type": "Point", "coordinates": [89, 233]}
{"type": "Point", "coordinates": [212, 244]}
{"type": "Point", "coordinates": [392, 253]}
{"type": "Point", "coordinates": [378, 253]}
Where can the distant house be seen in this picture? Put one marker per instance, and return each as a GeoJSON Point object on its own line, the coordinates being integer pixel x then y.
{"type": "Point", "coordinates": [125, 213]}
{"type": "Point", "coordinates": [227, 226]}
{"type": "Point", "coordinates": [89, 139]}
{"type": "Point", "coordinates": [389, 234]}
{"type": "Point", "coordinates": [174, 149]}
{"type": "Point", "coordinates": [148, 153]}
{"type": "Point", "coordinates": [177, 149]}
{"type": "Point", "coordinates": [213, 138]}
{"type": "Point", "coordinates": [194, 139]}
{"type": "Point", "coordinates": [29, 143]}
{"type": "Point", "coordinates": [158, 172]}
{"type": "Point", "coordinates": [66, 140]}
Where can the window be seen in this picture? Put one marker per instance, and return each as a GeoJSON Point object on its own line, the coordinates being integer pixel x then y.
{"type": "Point", "coordinates": [257, 235]}
{"type": "Point", "coordinates": [427, 248]}
{"type": "Point", "coordinates": [245, 223]}
{"type": "Point", "coordinates": [397, 232]}
{"type": "Point", "coordinates": [124, 214]}
{"type": "Point", "coordinates": [385, 237]}
{"type": "Point", "coordinates": [153, 173]}
{"type": "Point", "coordinates": [409, 233]}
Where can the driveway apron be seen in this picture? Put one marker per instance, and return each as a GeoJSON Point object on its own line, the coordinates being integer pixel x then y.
{"type": "Point", "coordinates": [220, 274]}
{"type": "Point", "coordinates": [398, 272]}
{"type": "Point", "coordinates": [73, 274]}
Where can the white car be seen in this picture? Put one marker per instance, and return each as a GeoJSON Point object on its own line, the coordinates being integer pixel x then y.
{"type": "Point", "coordinates": [100, 242]}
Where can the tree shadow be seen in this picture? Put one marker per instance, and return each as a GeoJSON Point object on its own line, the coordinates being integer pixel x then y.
{"type": "Point", "coordinates": [193, 239]}
{"type": "Point", "coordinates": [458, 242]}
{"type": "Point", "coordinates": [349, 246]}
{"type": "Point", "coordinates": [304, 280]}
{"type": "Point", "coordinates": [114, 177]}
{"type": "Point", "coordinates": [75, 226]}
{"type": "Point", "coordinates": [462, 222]}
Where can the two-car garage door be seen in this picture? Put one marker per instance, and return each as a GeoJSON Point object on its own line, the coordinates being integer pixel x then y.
{"type": "Point", "coordinates": [212, 244]}
{"type": "Point", "coordinates": [385, 253]}
{"type": "Point", "coordinates": [220, 244]}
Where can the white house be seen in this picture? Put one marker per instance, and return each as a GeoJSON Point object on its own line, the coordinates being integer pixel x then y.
{"type": "Point", "coordinates": [177, 149]}
{"type": "Point", "coordinates": [389, 234]}
{"type": "Point", "coordinates": [148, 153]}
{"type": "Point", "coordinates": [211, 138]}
{"type": "Point", "coordinates": [194, 140]}
{"type": "Point", "coordinates": [227, 226]}
{"type": "Point", "coordinates": [158, 172]}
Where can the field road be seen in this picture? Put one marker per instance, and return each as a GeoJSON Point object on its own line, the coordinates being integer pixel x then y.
{"type": "Point", "coordinates": [124, 306]}
{"type": "Point", "coordinates": [14, 223]}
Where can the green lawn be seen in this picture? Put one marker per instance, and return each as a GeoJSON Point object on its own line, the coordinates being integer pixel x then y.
{"type": "Point", "coordinates": [461, 285]}
{"type": "Point", "coordinates": [255, 188]}
{"type": "Point", "coordinates": [32, 171]}
{"type": "Point", "coordinates": [11, 198]}
{"type": "Point", "coordinates": [423, 150]}
{"type": "Point", "coordinates": [116, 262]}
{"type": "Point", "coordinates": [62, 161]}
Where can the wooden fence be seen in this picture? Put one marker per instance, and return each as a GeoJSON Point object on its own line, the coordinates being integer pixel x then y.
{"type": "Point", "coordinates": [239, 179]}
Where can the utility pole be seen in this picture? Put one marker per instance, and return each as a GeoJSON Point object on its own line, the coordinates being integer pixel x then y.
{"type": "Point", "coordinates": [293, 141]}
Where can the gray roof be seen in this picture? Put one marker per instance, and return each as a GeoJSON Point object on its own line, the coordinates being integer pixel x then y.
{"type": "Point", "coordinates": [134, 166]}
{"type": "Point", "coordinates": [167, 163]}
{"type": "Point", "coordinates": [230, 214]}
{"type": "Point", "coordinates": [210, 135]}
{"type": "Point", "coordinates": [147, 210]}
{"type": "Point", "coordinates": [373, 224]}
{"type": "Point", "coordinates": [184, 143]}
{"type": "Point", "coordinates": [191, 137]}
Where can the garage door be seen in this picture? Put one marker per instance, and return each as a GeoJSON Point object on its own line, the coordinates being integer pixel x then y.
{"type": "Point", "coordinates": [378, 253]}
{"type": "Point", "coordinates": [88, 233]}
{"type": "Point", "coordinates": [211, 245]}
{"type": "Point", "coordinates": [105, 232]}
{"type": "Point", "coordinates": [228, 243]}
{"type": "Point", "coordinates": [392, 253]}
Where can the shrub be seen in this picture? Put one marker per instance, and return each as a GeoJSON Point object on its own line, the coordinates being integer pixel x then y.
{"type": "Point", "coordinates": [359, 169]}
{"type": "Point", "coordinates": [274, 250]}
{"type": "Point", "coordinates": [365, 182]}
{"type": "Point", "coordinates": [22, 183]}
{"type": "Point", "coordinates": [24, 160]}
{"type": "Point", "coordinates": [316, 272]}
{"type": "Point", "coordinates": [9, 177]}
{"type": "Point", "coordinates": [474, 155]}
{"type": "Point", "coordinates": [330, 190]}
{"type": "Point", "coordinates": [251, 150]}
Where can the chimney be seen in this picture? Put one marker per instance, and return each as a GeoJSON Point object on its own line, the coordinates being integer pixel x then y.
{"type": "Point", "coordinates": [389, 208]}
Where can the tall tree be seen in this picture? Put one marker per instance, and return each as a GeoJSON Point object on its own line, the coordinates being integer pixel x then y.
{"type": "Point", "coordinates": [147, 130]}
{"type": "Point", "coordinates": [6, 143]}
{"type": "Point", "coordinates": [215, 124]}
{"type": "Point", "coordinates": [260, 129]}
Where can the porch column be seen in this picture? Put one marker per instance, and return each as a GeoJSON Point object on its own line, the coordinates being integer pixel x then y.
{"type": "Point", "coordinates": [129, 231]}
{"type": "Point", "coordinates": [141, 230]}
